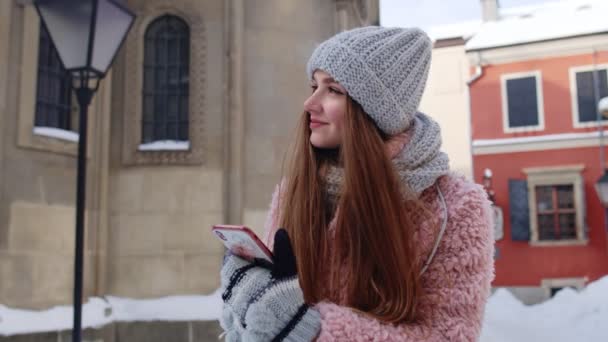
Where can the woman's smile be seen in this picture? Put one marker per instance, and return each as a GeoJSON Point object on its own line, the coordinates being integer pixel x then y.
{"type": "Point", "coordinates": [316, 123]}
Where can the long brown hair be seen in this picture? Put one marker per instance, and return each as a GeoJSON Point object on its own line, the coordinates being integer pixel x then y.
{"type": "Point", "coordinates": [374, 229]}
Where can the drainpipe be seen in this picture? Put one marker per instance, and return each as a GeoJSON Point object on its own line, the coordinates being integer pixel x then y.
{"type": "Point", "coordinates": [477, 75]}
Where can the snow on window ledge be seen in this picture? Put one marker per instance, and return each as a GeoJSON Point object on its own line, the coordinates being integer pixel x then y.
{"type": "Point", "coordinates": [165, 145]}
{"type": "Point", "coordinates": [56, 133]}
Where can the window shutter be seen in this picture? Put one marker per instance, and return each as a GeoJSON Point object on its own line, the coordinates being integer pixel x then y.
{"type": "Point", "coordinates": [520, 214]}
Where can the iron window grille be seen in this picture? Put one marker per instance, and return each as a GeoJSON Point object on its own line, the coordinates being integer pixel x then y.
{"type": "Point", "coordinates": [54, 91]}
{"type": "Point", "coordinates": [166, 80]}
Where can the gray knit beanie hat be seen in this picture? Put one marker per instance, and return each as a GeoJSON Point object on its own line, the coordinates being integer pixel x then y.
{"type": "Point", "coordinates": [383, 69]}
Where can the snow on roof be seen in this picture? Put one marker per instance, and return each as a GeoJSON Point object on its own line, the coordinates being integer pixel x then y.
{"type": "Point", "coordinates": [535, 23]}
{"type": "Point", "coordinates": [464, 30]}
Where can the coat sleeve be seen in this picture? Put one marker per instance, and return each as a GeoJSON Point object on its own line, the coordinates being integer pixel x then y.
{"type": "Point", "coordinates": [457, 283]}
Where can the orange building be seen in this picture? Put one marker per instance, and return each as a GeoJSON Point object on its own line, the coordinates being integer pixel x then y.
{"type": "Point", "coordinates": [537, 76]}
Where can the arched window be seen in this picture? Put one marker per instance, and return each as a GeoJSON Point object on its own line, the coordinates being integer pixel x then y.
{"type": "Point", "coordinates": [54, 92]}
{"type": "Point", "coordinates": [166, 80]}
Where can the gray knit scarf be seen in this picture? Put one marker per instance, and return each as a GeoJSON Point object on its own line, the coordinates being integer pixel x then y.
{"type": "Point", "coordinates": [419, 164]}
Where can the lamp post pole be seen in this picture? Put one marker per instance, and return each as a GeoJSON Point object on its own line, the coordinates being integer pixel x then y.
{"type": "Point", "coordinates": [84, 96]}
{"type": "Point", "coordinates": [87, 35]}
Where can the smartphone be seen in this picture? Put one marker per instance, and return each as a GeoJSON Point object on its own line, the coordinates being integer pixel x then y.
{"type": "Point", "coordinates": [243, 242]}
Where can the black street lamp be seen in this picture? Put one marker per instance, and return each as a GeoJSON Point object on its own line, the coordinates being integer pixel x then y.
{"type": "Point", "coordinates": [487, 185]}
{"type": "Point", "coordinates": [87, 35]}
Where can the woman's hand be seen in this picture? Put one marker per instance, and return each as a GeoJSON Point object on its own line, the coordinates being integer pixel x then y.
{"type": "Point", "coordinates": [266, 303]}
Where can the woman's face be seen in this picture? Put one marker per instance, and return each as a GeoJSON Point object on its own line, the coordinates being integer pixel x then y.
{"type": "Point", "coordinates": [326, 108]}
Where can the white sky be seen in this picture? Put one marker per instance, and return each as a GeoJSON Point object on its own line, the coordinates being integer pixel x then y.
{"type": "Point", "coordinates": [429, 13]}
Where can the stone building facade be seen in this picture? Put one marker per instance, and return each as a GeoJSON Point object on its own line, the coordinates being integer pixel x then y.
{"type": "Point", "coordinates": [151, 203]}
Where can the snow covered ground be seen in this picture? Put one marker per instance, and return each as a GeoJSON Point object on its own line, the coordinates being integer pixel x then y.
{"type": "Point", "coordinates": [569, 316]}
{"type": "Point", "coordinates": [100, 311]}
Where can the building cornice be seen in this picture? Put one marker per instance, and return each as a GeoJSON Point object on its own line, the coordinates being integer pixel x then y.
{"type": "Point", "coordinates": [537, 143]}
{"type": "Point", "coordinates": [579, 45]}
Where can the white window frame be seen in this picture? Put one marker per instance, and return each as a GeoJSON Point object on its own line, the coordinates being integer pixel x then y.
{"type": "Point", "coordinates": [539, 100]}
{"type": "Point", "coordinates": [574, 94]}
{"type": "Point", "coordinates": [557, 175]}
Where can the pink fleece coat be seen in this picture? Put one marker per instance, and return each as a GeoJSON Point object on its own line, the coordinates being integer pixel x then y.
{"type": "Point", "coordinates": [456, 284]}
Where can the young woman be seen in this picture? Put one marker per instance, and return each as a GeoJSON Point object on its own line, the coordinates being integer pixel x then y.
{"type": "Point", "coordinates": [388, 244]}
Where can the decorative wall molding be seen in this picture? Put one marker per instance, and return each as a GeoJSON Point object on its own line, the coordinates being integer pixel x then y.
{"type": "Point", "coordinates": [537, 143]}
{"type": "Point", "coordinates": [563, 47]}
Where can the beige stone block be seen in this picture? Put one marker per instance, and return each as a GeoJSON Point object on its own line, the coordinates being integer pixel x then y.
{"type": "Point", "coordinates": [289, 15]}
{"type": "Point", "coordinates": [147, 276]}
{"type": "Point", "coordinates": [288, 101]}
{"type": "Point", "coordinates": [259, 43]}
{"type": "Point", "coordinates": [93, 236]}
{"type": "Point", "coordinates": [210, 9]}
{"type": "Point", "coordinates": [39, 227]}
{"type": "Point", "coordinates": [159, 194]}
{"type": "Point", "coordinates": [16, 280]}
{"type": "Point", "coordinates": [258, 190]}
{"type": "Point", "coordinates": [91, 272]}
{"type": "Point", "coordinates": [137, 234]}
{"type": "Point", "coordinates": [182, 191]}
{"type": "Point", "coordinates": [127, 190]}
{"type": "Point", "coordinates": [203, 198]}
{"type": "Point", "coordinates": [5, 23]}
{"type": "Point", "coordinates": [58, 184]}
{"type": "Point", "coordinates": [208, 177]}
{"type": "Point", "coordinates": [178, 191]}
{"type": "Point", "coordinates": [255, 220]}
{"type": "Point", "coordinates": [202, 272]}
{"type": "Point", "coordinates": [261, 156]}
{"type": "Point", "coordinates": [53, 279]}
{"type": "Point", "coordinates": [267, 172]}
{"type": "Point", "coordinates": [192, 233]}
{"type": "Point", "coordinates": [39, 281]}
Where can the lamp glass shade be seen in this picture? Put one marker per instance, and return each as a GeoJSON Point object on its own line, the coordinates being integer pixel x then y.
{"type": "Point", "coordinates": [86, 33]}
{"type": "Point", "coordinates": [69, 25]}
{"type": "Point", "coordinates": [113, 24]}
{"type": "Point", "coordinates": [602, 106]}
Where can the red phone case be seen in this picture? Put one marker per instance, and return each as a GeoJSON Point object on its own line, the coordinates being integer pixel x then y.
{"type": "Point", "coordinates": [243, 242]}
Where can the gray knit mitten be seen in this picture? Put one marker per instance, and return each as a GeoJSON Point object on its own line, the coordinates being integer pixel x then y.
{"type": "Point", "coordinates": [266, 303]}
